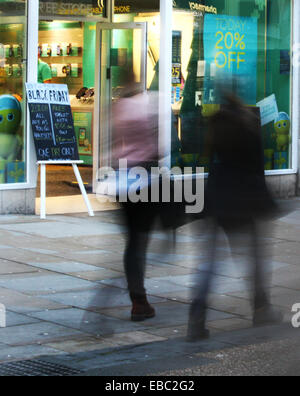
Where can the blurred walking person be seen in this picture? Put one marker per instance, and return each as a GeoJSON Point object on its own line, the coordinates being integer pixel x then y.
{"type": "Point", "coordinates": [237, 199]}
{"type": "Point", "coordinates": [135, 139]}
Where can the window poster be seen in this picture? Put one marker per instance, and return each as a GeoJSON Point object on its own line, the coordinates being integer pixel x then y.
{"type": "Point", "coordinates": [230, 51]}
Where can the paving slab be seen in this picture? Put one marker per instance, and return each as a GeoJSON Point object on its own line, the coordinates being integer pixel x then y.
{"type": "Point", "coordinates": [167, 314]}
{"type": "Point", "coordinates": [10, 267]}
{"type": "Point", "coordinates": [133, 338]}
{"type": "Point", "coordinates": [53, 245]}
{"type": "Point", "coordinates": [63, 229]}
{"type": "Point", "coordinates": [162, 286]}
{"type": "Point", "coordinates": [256, 335]}
{"type": "Point", "coordinates": [95, 299]}
{"type": "Point", "coordinates": [24, 352]}
{"type": "Point", "coordinates": [110, 265]}
{"type": "Point", "coordinates": [64, 267]}
{"type": "Point", "coordinates": [21, 303]}
{"type": "Point", "coordinates": [99, 241]}
{"type": "Point", "coordinates": [79, 344]}
{"type": "Point", "coordinates": [287, 233]}
{"type": "Point", "coordinates": [15, 319]}
{"type": "Point", "coordinates": [292, 259]}
{"type": "Point", "coordinates": [87, 322]}
{"type": "Point", "coordinates": [280, 297]}
{"type": "Point", "coordinates": [155, 286]}
{"type": "Point", "coordinates": [288, 278]}
{"type": "Point", "coordinates": [88, 343]}
{"type": "Point", "coordinates": [41, 251]}
{"type": "Point", "coordinates": [229, 304]}
{"type": "Point", "coordinates": [97, 275]}
{"type": "Point", "coordinates": [291, 219]}
{"type": "Point", "coordinates": [184, 296]}
{"type": "Point", "coordinates": [34, 333]}
{"type": "Point", "coordinates": [95, 259]}
{"type": "Point", "coordinates": [155, 354]}
{"type": "Point", "coordinates": [169, 332]}
{"type": "Point", "coordinates": [231, 324]}
{"type": "Point", "coordinates": [170, 258]}
{"type": "Point", "coordinates": [156, 270]}
{"type": "Point", "coordinates": [283, 249]}
{"type": "Point", "coordinates": [238, 267]}
{"type": "Point", "coordinates": [46, 284]}
{"type": "Point", "coordinates": [22, 256]}
{"type": "Point", "coordinates": [218, 286]}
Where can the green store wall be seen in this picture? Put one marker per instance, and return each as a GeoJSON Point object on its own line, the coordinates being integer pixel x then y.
{"type": "Point", "coordinates": [89, 49]}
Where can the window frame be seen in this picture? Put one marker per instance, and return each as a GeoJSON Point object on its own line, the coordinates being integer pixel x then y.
{"type": "Point", "coordinates": [31, 68]}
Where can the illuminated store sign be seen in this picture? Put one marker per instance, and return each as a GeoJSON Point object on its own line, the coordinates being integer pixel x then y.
{"type": "Point", "coordinates": [194, 6]}
{"type": "Point", "coordinates": [136, 6]}
{"type": "Point", "coordinates": [74, 8]}
{"type": "Point", "coordinates": [122, 9]}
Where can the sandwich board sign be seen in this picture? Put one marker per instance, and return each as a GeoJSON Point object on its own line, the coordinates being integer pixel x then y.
{"type": "Point", "coordinates": [52, 122]}
{"type": "Point", "coordinates": [53, 132]}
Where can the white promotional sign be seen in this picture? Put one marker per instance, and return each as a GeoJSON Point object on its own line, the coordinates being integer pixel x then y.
{"type": "Point", "coordinates": [268, 110]}
{"type": "Point", "coordinates": [48, 93]}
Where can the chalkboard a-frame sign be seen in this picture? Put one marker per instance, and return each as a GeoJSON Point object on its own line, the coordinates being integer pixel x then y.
{"type": "Point", "coordinates": [52, 122]}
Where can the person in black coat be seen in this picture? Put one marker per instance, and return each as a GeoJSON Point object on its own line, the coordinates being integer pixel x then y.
{"type": "Point", "coordinates": [236, 199]}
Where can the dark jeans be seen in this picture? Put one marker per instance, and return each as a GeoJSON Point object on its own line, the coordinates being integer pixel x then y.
{"type": "Point", "coordinates": [139, 219]}
{"type": "Point", "coordinates": [233, 229]}
{"type": "Point", "coordinates": [135, 261]}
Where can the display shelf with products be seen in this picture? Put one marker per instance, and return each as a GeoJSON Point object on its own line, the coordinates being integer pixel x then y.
{"type": "Point", "coordinates": [61, 47]}
{"type": "Point", "coordinates": [11, 58]}
{"type": "Point", "coordinates": [11, 63]}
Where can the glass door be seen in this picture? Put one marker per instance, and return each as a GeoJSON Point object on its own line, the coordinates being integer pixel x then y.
{"type": "Point", "coordinates": [121, 57]}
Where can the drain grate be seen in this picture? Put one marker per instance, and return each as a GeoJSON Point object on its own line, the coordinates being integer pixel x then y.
{"type": "Point", "coordinates": [36, 368]}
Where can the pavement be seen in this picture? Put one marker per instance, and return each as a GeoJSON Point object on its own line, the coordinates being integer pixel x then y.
{"type": "Point", "coordinates": [63, 287]}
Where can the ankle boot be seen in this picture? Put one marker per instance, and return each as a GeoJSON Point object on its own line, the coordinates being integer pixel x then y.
{"type": "Point", "coordinates": [141, 309]}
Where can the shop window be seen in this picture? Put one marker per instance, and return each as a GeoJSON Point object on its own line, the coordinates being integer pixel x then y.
{"type": "Point", "coordinates": [245, 44]}
{"type": "Point", "coordinates": [12, 98]}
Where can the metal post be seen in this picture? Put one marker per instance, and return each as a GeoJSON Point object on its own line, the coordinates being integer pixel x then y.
{"type": "Point", "coordinates": [165, 82]}
{"type": "Point", "coordinates": [43, 192]}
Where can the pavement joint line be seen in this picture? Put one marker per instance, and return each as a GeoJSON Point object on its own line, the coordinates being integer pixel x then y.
{"type": "Point", "coordinates": [17, 262]}
{"type": "Point", "coordinates": [75, 328]}
{"type": "Point", "coordinates": [51, 271]}
{"type": "Point", "coordinates": [19, 273]}
{"type": "Point", "coordinates": [168, 299]}
{"type": "Point", "coordinates": [60, 257]}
